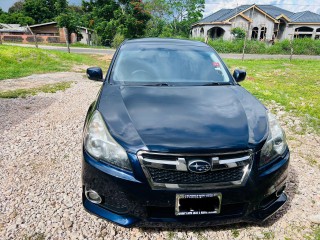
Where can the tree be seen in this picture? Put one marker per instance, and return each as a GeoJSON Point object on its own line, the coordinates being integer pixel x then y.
{"type": "Point", "coordinates": [108, 17]}
{"type": "Point", "coordinates": [70, 21]}
{"type": "Point", "coordinates": [16, 7]}
{"type": "Point", "coordinates": [44, 10]}
{"type": "Point", "coordinates": [16, 18]}
{"type": "Point", "coordinates": [178, 15]}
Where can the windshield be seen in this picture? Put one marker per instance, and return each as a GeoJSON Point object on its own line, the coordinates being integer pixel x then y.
{"type": "Point", "coordinates": [152, 65]}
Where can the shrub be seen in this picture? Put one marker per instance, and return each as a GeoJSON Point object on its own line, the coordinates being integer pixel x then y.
{"type": "Point", "coordinates": [117, 40]}
{"type": "Point", "coordinates": [238, 33]}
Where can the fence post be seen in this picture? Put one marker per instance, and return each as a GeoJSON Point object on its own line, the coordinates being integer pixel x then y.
{"type": "Point", "coordinates": [291, 47]}
{"type": "Point", "coordinates": [0, 38]}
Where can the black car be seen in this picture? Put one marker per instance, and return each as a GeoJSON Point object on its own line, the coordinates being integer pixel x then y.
{"type": "Point", "coordinates": [173, 139]}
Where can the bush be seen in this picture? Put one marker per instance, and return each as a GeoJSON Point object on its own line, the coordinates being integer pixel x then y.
{"type": "Point", "coordinates": [117, 40]}
{"type": "Point", "coordinates": [304, 46]}
{"type": "Point", "coordinates": [238, 33]}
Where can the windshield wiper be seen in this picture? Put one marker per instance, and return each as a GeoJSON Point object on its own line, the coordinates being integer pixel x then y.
{"type": "Point", "coordinates": [157, 84]}
{"type": "Point", "coordinates": [217, 84]}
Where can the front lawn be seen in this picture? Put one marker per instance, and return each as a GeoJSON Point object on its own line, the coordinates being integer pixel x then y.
{"type": "Point", "coordinates": [18, 62]}
{"type": "Point", "coordinates": [295, 85]}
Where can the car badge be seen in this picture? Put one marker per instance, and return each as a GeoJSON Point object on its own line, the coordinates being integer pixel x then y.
{"type": "Point", "coordinates": [199, 166]}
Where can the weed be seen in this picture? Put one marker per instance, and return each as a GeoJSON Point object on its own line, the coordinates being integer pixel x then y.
{"type": "Point", "coordinates": [35, 236]}
{"type": "Point", "coordinates": [49, 88]}
{"type": "Point", "coordinates": [235, 233]}
{"type": "Point", "coordinates": [268, 235]}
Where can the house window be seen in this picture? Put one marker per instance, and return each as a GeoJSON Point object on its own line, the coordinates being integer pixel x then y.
{"type": "Point", "coordinates": [263, 33]}
{"type": "Point", "coordinates": [254, 35]}
{"type": "Point", "coordinates": [303, 32]}
{"type": "Point", "coordinates": [317, 37]}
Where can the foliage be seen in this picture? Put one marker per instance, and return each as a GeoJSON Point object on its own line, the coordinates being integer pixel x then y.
{"type": "Point", "coordinates": [173, 17]}
{"type": "Point", "coordinates": [291, 84]}
{"type": "Point", "coordinates": [48, 88]}
{"type": "Point", "coordinates": [16, 7]}
{"type": "Point", "coordinates": [109, 17]}
{"type": "Point", "coordinates": [19, 61]}
{"type": "Point", "coordinates": [44, 11]}
{"type": "Point", "coordinates": [238, 33]}
{"type": "Point", "coordinates": [69, 20]}
{"type": "Point", "coordinates": [16, 18]}
{"type": "Point", "coordinates": [117, 40]}
{"type": "Point", "coordinates": [300, 46]}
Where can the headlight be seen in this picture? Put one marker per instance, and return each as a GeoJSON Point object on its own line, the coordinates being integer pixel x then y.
{"type": "Point", "coordinates": [276, 143]}
{"type": "Point", "coordinates": [100, 144]}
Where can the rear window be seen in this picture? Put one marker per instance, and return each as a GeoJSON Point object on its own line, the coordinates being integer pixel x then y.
{"type": "Point", "coordinates": [151, 65]}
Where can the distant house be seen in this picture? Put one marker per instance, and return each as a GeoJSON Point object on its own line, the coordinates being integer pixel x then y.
{"type": "Point", "coordinates": [45, 32]}
{"type": "Point", "coordinates": [264, 22]}
{"type": "Point", "coordinates": [85, 35]}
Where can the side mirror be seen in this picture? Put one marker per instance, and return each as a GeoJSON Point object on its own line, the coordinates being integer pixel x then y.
{"type": "Point", "coordinates": [95, 73]}
{"type": "Point", "coordinates": [239, 75]}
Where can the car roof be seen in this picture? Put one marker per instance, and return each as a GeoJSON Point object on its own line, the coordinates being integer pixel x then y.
{"type": "Point", "coordinates": [166, 41]}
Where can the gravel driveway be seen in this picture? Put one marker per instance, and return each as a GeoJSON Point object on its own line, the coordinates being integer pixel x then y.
{"type": "Point", "coordinates": [40, 170]}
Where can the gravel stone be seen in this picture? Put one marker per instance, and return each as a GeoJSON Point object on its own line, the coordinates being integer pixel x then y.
{"type": "Point", "coordinates": [40, 173]}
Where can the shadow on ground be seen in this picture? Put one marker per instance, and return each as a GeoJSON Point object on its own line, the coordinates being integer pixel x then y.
{"type": "Point", "coordinates": [14, 111]}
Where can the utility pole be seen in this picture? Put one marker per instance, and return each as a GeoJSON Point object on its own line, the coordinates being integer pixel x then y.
{"type": "Point", "coordinates": [34, 36]}
{"type": "Point", "coordinates": [67, 38]}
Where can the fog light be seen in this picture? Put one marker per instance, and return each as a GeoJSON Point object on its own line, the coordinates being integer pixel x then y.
{"type": "Point", "coordinates": [281, 190]}
{"type": "Point", "coordinates": [93, 196]}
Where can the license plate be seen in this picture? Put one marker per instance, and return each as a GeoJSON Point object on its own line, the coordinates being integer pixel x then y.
{"type": "Point", "coordinates": [198, 204]}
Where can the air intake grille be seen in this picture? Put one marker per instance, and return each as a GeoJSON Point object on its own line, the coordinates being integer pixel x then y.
{"type": "Point", "coordinates": [177, 177]}
{"type": "Point", "coordinates": [196, 171]}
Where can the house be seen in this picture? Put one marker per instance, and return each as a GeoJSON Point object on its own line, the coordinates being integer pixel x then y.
{"type": "Point", "coordinates": [85, 35]}
{"type": "Point", "coordinates": [45, 33]}
{"type": "Point", "coordinates": [263, 22]}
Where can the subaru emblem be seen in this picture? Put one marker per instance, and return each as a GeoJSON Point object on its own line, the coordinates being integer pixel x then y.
{"type": "Point", "coordinates": [199, 166]}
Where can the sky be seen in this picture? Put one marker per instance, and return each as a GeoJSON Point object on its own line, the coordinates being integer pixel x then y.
{"type": "Point", "coordinates": [215, 5]}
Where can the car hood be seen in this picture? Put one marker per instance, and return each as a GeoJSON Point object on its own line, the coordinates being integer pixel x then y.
{"type": "Point", "coordinates": [183, 119]}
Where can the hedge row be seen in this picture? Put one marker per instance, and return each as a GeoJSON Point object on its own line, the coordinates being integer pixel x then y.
{"type": "Point", "coordinates": [305, 46]}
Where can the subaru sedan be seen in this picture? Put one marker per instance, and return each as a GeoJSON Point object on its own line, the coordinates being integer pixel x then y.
{"type": "Point", "coordinates": [173, 139]}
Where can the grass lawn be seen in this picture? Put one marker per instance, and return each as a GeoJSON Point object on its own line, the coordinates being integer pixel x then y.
{"type": "Point", "coordinates": [295, 85]}
{"type": "Point", "coordinates": [18, 62]}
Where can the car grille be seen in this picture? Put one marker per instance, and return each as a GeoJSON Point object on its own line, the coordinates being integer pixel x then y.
{"type": "Point", "coordinates": [165, 170]}
{"type": "Point", "coordinates": [178, 177]}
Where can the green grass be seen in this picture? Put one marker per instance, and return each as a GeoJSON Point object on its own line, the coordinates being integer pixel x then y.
{"type": "Point", "coordinates": [315, 235]}
{"type": "Point", "coordinates": [295, 85]}
{"type": "Point", "coordinates": [49, 88]}
{"type": "Point", "coordinates": [18, 62]}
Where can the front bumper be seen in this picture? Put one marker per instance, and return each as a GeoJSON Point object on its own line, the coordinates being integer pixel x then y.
{"type": "Point", "coordinates": [128, 200]}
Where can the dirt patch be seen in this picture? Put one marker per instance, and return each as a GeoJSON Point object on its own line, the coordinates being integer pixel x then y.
{"type": "Point", "coordinates": [39, 80]}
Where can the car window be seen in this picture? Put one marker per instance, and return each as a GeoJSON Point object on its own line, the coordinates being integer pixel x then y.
{"type": "Point", "coordinates": [168, 65]}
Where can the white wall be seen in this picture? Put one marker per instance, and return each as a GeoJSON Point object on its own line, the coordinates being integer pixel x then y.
{"type": "Point", "coordinates": [260, 20]}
